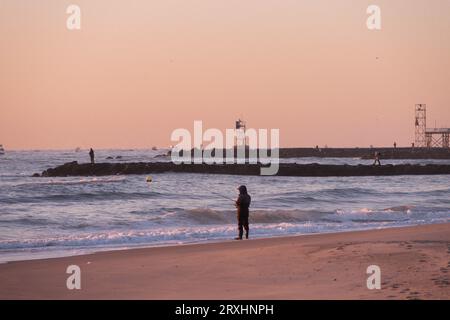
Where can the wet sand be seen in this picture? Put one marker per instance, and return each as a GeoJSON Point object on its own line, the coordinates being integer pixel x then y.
{"type": "Point", "coordinates": [414, 262]}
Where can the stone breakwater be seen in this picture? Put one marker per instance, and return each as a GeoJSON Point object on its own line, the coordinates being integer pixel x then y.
{"type": "Point", "coordinates": [301, 170]}
{"type": "Point", "coordinates": [367, 153]}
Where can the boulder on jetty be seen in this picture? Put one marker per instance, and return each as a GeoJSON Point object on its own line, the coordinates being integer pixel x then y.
{"type": "Point", "coordinates": [285, 169]}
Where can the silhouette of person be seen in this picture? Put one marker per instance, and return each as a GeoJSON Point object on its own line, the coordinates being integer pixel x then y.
{"type": "Point", "coordinates": [377, 159]}
{"type": "Point", "coordinates": [91, 155]}
{"type": "Point", "coordinates": [242, 205]}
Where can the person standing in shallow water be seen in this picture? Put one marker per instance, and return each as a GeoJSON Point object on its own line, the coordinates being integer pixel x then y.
{"type": "Point", "coordinates": [242, 205]}
{"type": "Point", "coordinates": [91, 155]}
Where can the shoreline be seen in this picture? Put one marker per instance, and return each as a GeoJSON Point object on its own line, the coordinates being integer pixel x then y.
{"type": "Point", "coordinates": [415, 261]}
{"type": "Point", "coordinates": [65, 253]}
{"type": "Point", "coordinates": [61, 253]}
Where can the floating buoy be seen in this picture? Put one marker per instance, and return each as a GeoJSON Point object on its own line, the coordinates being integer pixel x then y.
{"type": "Point", "coordinates": [149, 179]}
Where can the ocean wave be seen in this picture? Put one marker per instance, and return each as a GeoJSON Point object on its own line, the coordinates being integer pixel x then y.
{"type": "Point", "coordinates": [295, 198]}
{"type": "Point", "coordinates": [438, 192]}
{"type": "Point", "coordinates": [345, 192]}
{"type": "Point", "coordinates": [208, 216]}
{"type": "Point", "coordinates": [94, 180]}
{"type": "Point", "coordinates": [404, 209]}
{"type": "Point", "coordinates": [183, 234]}
{"type": "Point", "coordinates": [84, 196]}
{"type": "Point", "coordinates": [32, 221]}
{"type": "Point", "coordinates": [114, 237]}
{"type": "Point", "coordinates": [371, 215]}
{"type": "Point", "coordinates": [206, 224]}
{"type": "Point", "coordinates": [204, 216]}
{"type": "Point", "coordinates": [177, 235]}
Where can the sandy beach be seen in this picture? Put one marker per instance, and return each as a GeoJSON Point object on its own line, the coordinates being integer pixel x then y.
{"type": "Point", "coordinates": [414, 263]}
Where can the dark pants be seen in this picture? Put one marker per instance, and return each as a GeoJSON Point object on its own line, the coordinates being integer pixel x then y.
{"type": "Point", "coordinates": [243, 224]}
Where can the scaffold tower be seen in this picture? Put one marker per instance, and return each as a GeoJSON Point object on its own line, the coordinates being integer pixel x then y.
{"type": "Point", "coordinates": [420, 125]}
{"type": "Point", "coordinates": [429, 137]}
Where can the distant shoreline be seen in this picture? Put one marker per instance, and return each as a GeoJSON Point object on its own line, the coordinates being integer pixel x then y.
{"type": "Point", "coordinates": [320, 152]}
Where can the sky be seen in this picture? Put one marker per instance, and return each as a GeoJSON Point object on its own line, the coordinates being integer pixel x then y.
{"type": "Point", "coordinates": [139, 69]}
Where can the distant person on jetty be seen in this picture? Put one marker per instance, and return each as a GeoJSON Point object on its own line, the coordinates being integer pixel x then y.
{"type": "Point", "coordinates": [377, 159]}
{"type": "Point", "coordinates": [242, 205]}
{"type": "Point", "coordinates": [92, 156]}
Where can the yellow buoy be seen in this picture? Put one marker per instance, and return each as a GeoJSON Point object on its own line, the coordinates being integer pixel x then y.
{"type": "Point", "coordinates": [149, 179]}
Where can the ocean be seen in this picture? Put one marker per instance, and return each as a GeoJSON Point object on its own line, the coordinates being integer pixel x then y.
{"type": "Point", "coordinates": [51, 217]}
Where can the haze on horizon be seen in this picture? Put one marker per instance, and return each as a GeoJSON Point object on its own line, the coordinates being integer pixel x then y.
{"type": "Point", "coordinates": [139, 69]}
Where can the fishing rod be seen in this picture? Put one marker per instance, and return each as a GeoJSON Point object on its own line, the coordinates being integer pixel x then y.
{"type": "Point", "coordinates": [225, 197]}
{"type": "Point", "coordinates": [149, 180]}
{"type": "Point", "coordinates": [222, 196]}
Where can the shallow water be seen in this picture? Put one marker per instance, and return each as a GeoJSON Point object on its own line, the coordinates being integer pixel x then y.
{"type": "Point", "coordinates": [44, 217]}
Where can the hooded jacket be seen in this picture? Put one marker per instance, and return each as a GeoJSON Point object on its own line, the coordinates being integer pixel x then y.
{"type": "Point", "coordinates": [243, 202]}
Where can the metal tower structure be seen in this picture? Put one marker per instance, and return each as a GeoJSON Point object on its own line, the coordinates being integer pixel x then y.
{"type": "Point", "coordinates": [421, 125]}
{"type": "Point", "coordinates": [437, 137]}
{"type": "Point", "coordinates": [429, 137]}
{"type": "Point", "coordinates": [241, 139]}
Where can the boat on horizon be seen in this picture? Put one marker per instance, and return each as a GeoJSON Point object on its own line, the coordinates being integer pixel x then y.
{"type": "Point", "coordinates": [2, 150]}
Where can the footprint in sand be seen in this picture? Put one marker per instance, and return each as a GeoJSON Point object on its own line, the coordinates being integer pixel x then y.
{"type": "Point", "coordinates": [404, 290]}
{"type": "Point", "coordinates": [413, 295]}
{"type": "Point", "coordinates": [442, 281]}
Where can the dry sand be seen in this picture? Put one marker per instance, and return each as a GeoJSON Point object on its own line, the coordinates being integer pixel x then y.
{"type": "Point", "coordinates": [414, 263]}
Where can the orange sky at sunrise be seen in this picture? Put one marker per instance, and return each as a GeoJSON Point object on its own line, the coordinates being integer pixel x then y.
{"type": "Point", "coordinates": [139, 69]}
